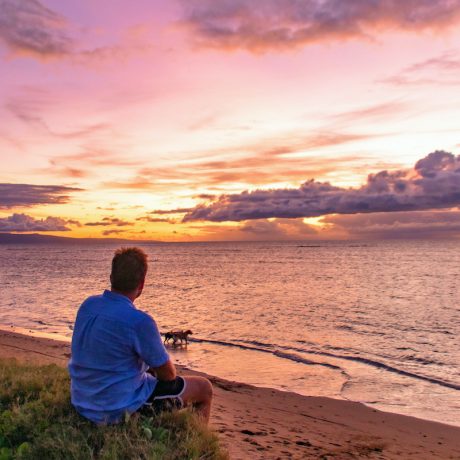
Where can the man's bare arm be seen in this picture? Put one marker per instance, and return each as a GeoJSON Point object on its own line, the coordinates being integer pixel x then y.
{"type": "Point", "coordinates": [165, 372]}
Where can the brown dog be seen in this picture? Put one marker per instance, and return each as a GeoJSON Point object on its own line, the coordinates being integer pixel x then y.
{"type": "Point", "coordinates": [176, 336]}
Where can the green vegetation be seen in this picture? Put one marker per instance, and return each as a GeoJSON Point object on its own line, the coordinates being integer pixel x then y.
{"type": "Point", "coordinates": [37, 421]}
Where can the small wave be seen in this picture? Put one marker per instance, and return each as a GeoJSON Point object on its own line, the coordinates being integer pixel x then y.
{"type": "Point", "coordinates": [257, 343]}
{"type": "Point", "coordinates": [332, 246]}
{"type": "Point", "coordinates": [306, 342]}
{"type": "Point", "coordinates": [287, 354]}
{"type": "Point", "coordinates": [278, 353]}
{"type": "Point", "coordinates": [445, 332]}
{"type": "Point", "coordinates": [220, 250]}
{"type": "Point", "coordinates": [299, 359]}
{"type": "Point", "coordinates": [387, 367]}
{"type": "Point", "coordinates": [423, 361]}
{"type": "Point", "coordinates": [345, 327]}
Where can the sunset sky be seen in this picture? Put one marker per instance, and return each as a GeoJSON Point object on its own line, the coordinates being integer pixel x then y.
{"type": "Point", "coordinates": [188, 120]}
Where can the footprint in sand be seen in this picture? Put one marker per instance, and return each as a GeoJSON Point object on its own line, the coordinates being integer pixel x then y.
{"type": "Point", "coordinates": [306, 443]}
{"type": "Point", "coordinates": [254, 433]}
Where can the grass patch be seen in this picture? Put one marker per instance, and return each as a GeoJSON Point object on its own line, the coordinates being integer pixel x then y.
{"type": "Point", "coordinates": [38, 421]}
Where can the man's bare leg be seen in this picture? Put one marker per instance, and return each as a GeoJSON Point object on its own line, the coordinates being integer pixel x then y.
{"type": "Point", "coordinates": [198, 394]}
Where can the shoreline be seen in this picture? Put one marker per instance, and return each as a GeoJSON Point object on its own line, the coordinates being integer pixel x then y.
{"type": "Point", "coordinates": [256, 422]}
{"type": "Point", "coordinates": [212, 362]}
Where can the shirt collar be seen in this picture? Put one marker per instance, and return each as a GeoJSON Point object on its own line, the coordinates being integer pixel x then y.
{"type": "Point", "coordinates": [118, 297]}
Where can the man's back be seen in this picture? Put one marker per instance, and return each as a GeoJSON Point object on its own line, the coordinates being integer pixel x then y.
{"type": "Point", "coordinates": [113, 345]}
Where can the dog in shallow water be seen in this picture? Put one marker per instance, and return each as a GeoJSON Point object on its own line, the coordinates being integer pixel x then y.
{"type": "Point", "coordinates": [177, 336]}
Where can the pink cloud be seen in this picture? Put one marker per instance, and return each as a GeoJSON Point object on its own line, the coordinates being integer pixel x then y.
{"type": "Point", "coordinates": [437, 70]}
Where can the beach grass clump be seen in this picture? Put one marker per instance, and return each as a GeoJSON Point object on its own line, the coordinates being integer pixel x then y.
{"type": "Point", "coordinates": [37, 421]}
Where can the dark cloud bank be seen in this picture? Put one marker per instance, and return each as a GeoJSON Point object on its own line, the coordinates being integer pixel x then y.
{"type": "Point", "coordinates": [15, 195]}
{"type": "Point", "coordinates": [281, 24]}
{"type": "Point", "coordinates": [433, 183]}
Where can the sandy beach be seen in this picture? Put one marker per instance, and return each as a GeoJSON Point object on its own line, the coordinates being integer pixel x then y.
{"type": "Point", "coordinates": [261, 423]}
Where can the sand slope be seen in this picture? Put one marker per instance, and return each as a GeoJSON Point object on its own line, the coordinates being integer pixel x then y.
{"type": "Point", "coordinates": [260, 423]}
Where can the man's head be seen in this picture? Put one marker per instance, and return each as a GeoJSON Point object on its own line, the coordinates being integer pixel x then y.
{"type": "Point", "coordinates": [129, 267]}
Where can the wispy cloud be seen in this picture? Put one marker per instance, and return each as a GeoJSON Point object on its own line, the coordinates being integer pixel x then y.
{"type": "Point", "coordinates": [29, 108]}
{"type": "Point", "coordinates": [28, 26]}
{"type": "Point", "coordinates": [112, 232]}
{"type": "Point", "coordinates": [433, 183]}
{"type": "Point", "coordinates": [109, 221]}
{"type": "Point", "coordinates": [371, 113]}
{"type": "Point", "coordinates": [250, 164]}
{"type": "Point", "coordinates": [437, 70]}
{"type": "Point", "coordinates": [285, 24]}
{"type": "Point", "coordinates": [87, 161]}
{"type": "Point", "coordinates": [25, 223]}
{"type": "Point", "coordinates": [17, 195]}
{"type": "Point", "coordinates": [171, 211]}
{"type": "Point", "coordinates": [94, 155]}
{"type": "Point", "coordinates": [156, 220]}
{"type": "Point", "coordinates": [64, 171]}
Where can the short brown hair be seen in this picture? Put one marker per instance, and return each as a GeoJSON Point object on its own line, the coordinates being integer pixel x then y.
{"type": "Point", "coordinates": [129, 267]}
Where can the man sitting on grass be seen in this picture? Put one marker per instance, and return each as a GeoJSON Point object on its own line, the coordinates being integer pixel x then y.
{"type": "Point", "coordinates": [119, 363]}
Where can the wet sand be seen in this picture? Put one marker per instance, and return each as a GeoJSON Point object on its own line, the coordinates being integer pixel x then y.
{"type": "Point", "coordinates": [261, 423]}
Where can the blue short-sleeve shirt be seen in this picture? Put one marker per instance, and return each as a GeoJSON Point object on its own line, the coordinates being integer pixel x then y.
{"type": "Point", "coordinates": [113, 345]}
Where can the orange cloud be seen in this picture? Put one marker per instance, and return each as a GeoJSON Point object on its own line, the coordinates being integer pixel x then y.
{"type": "Point", "coordinates": [268, 161]}
{"type": "Point", "coordinates": [258, 230]}
{"type": "Point", "coordinates": [375, 112]}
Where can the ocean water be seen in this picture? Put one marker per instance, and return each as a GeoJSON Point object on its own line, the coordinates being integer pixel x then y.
{"type": "Point", "coordinates": [375, 322]}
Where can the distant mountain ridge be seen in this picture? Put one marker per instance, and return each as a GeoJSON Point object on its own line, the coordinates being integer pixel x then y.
{"type": "Point", "coordinates": [36, 238]}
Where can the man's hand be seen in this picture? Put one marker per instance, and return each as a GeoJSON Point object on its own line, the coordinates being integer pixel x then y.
{"type": "Point", "coordinates": [165, 372]}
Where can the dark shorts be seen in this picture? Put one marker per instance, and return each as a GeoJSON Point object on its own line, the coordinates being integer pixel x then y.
{"type": "Point", "coordinates": [165, 397]}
